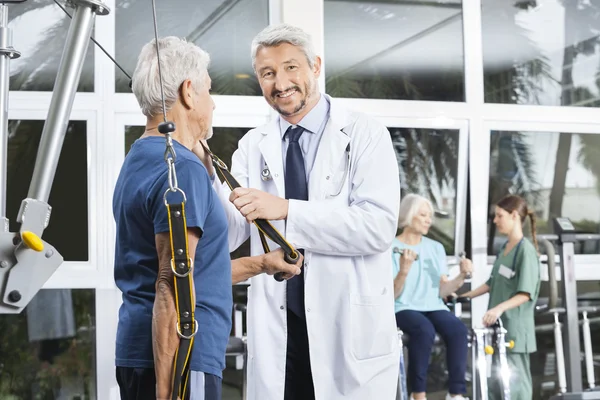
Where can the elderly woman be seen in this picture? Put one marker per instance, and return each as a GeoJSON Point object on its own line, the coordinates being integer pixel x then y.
{"type": "Point", "coordinates": [420, 284]}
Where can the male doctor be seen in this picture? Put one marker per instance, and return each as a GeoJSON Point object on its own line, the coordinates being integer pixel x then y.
{"type": "Point", "coordinates": [328, 179]}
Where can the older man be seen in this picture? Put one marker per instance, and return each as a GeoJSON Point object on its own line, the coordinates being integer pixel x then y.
{"type": "Point", "coordinates": [328, 177]}
{"type": "Point", "coordinates": [147, 339]}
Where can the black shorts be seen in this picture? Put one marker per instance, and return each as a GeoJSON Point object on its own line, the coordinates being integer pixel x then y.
{"type": "Point", "coordinates": [140, 384]}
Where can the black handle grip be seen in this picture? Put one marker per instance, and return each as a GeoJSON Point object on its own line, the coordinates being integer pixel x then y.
{"type": "Point", "coordinates": [288, 259]}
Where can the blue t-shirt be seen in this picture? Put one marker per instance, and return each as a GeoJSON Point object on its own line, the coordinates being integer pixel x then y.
{"type": "Point", "coordinates": [140, 213]}
{"type": "Point", "coordinates": [422, 286]}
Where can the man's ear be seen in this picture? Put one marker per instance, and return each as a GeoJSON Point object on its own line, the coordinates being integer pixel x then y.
{"type": "Point", "coordinates": [186, 94]}
{"type": "Point", "coordinates": [317, 66]}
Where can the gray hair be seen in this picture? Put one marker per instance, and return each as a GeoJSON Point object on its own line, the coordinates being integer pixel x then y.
{"type": "Point", "coordinates": [179, 60]}
{"type": "Point", "coordinates": [274, 35]}
{"type": "Point", "coordinates": [409, 207]}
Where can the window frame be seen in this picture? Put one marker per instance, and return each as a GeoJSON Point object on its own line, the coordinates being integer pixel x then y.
{"type": "Point", "coordinates": [583, 262]}
{"type": "Point", "coordinates": [461, 184]}
{"type": "Point", "coordinates": [77, 274]}
{"type": "Point", "coordinates": [107, 113]}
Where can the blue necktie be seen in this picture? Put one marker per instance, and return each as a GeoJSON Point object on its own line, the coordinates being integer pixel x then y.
{"type": "Point", "coordinates": [296, 188]}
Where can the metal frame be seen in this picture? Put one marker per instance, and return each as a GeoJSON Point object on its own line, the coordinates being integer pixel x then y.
{"type": "Point", "coordinates": [106, 113]}
{"type": "Point", "coordinates": [461, 184]}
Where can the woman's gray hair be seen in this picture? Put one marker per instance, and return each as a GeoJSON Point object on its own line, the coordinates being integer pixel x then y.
{"type": "Point", "coordinates": [179, 60]}
{"type": "Point", "coordinates": [409, 207]}
{"type": "Point", "coordinates": [274, 35]}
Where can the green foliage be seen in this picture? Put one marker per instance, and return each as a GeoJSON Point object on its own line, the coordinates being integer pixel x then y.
{"type": "Point", "coordinates": [23, 376]}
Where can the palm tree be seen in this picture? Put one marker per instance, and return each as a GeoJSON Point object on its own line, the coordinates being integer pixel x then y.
{"type": "Point", "coordinates": [430, 176]}
{"type": "Point", "coordinates": [581, 19]}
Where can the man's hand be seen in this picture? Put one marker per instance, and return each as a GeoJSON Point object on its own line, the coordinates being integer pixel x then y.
{"type": "Point", "coordinates": [273, 262]}
{"type": "Point", "coordinates": [198, 150]}
{"type": "Point", "coordinates": [255, 204]}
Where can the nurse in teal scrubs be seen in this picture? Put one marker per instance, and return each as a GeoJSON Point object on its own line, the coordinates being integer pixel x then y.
{"type": "Point", "coordinates": [514, 287]}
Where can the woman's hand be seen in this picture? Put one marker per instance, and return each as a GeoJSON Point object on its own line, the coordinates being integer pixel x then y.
{"type": "Point", "coordinates": [406, 260]}
{"type": "Point", "coordinates": [466, 267]}
{"type": "Point", "coordinates": [491, 316]}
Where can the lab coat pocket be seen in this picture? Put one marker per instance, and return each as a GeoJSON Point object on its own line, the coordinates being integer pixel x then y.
{"type": "Point", "coordinates": [370, 329]}
{"type": "Point", "coordinates": [337, 181]}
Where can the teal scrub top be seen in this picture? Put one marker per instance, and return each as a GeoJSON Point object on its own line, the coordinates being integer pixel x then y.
{"type": "Point", "coordinates": [517, 272]}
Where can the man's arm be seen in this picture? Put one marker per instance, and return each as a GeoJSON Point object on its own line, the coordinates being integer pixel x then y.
{"type": "Point", "coordinates": [164, 315]}
{"type": "Point", "coordinates": [246, 267]}
{"type": "Point", "coordinates": [323, 226]}
{"type": "Point", "coordinates": [372, 215]}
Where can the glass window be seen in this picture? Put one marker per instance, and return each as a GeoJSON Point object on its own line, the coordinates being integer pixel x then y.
{"type": "Point", "coordinates": [544, 52]}
{"type": "Point", "coordinates": [557, 173]}
{"type": "Point", "coordinates": [394, 49]}
{"type": "Point", "coordinates": [49, 350]}
{"type": "Point", "coordinates": [428, 161]}
{"type": "Point", "coordinates": [39, 32]}
{"type": "Point", "coordinates": [68, 227]}
{"type": "Point", "coordinates": [224, 29]}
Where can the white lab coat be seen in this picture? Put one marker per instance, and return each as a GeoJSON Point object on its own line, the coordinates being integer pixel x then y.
{"type": "Point", "coordinates": [348, 273]}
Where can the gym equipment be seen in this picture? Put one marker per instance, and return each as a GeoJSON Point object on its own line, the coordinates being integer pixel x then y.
{"type": "Point", "coordinates": [402, 393]}
{"type": "Point", "coordinates": [573, 389]}
{"type": "Point", "coordinates": [484, 342]}
{"type": "Point", "coordinates": [27, 261]}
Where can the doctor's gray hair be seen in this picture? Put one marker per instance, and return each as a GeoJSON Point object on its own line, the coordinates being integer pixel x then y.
{"type": "Point", "coordinates": [274, 35]}
{"type": "Point", "coordinates": [409, 207]}
{"type": "Point", "coordinates": [179, 61]}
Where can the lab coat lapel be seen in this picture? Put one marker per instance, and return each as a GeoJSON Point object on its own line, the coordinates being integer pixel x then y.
{"type": "Point", "coordinates": [331, 151]}
{"type": "Point", "coordinates": [270, 148]}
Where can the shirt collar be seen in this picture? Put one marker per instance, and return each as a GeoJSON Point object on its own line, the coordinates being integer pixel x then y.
{"type": "Point", "coordinates": [312, 121]}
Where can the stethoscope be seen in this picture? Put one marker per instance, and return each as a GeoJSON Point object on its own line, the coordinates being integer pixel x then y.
{"type": "Point", "coordinates": [265, 173]}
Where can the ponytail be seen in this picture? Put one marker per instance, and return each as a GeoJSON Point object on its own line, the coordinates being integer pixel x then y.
{"type": "Point", "coordinates": [532, 219]}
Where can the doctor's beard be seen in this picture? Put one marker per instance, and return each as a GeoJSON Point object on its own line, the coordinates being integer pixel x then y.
{"type": "Point", "coordinates": [303, 101]}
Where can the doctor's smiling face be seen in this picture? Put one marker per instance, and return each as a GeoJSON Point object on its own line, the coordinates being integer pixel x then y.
{"type": "Point", "coordinates": [288, 80]}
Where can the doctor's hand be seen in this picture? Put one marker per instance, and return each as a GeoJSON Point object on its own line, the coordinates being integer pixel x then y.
{"type": "Point", "coordinates": [255, 204]}
{"type": "Point", "coordinates": [491, 316]}
{"type": "Point", "coordinates": [198, 150]}
{"type": "Point", "coordinates": [273, 262]}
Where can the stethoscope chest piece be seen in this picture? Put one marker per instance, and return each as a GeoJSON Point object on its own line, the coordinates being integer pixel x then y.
{"type": "Point", "coordinates": [265, 174]}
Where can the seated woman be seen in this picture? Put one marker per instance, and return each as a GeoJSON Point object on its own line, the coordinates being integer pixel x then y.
{"type": "Point", "coordinates": [420, 283]}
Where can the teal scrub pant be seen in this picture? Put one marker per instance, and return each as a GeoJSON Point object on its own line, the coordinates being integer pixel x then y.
{"type": "Point", "coordinates": [520, 377]}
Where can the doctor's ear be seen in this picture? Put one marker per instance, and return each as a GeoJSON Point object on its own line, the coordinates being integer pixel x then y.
{"type": "Point", "coordinates": [317, 66]}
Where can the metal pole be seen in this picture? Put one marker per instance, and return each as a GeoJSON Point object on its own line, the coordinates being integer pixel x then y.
{"type": "Point", "coordinates": [589, 354]}
{"type": "Point", "coordinates": [571, 331]}
{"type": "Point", "coordinates": [6, 54]}
{"type": "Point", "coordinates": [560, 356]}
{"type": "Point", "coordinates": [65, 86]}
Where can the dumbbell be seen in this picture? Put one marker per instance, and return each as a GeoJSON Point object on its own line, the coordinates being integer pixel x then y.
{"type": "Point", "coordinates": [400, 251]}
